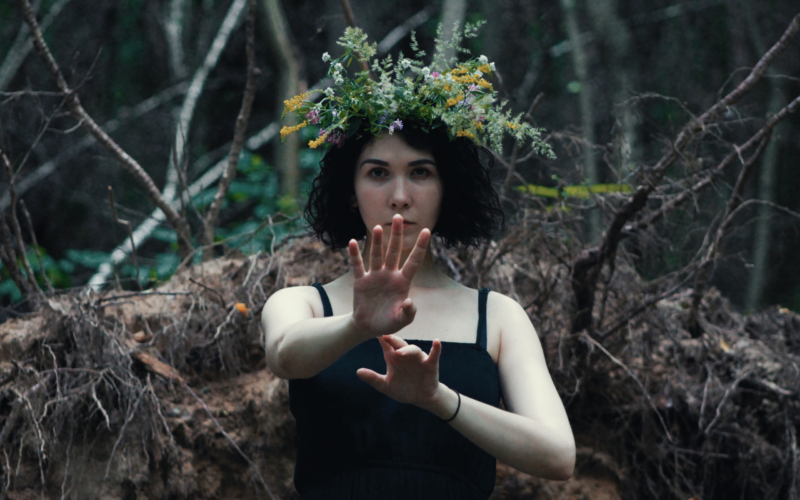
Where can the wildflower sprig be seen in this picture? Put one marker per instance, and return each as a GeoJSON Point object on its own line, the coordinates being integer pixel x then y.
{"type": "Point", "coordinates": [446, 93]}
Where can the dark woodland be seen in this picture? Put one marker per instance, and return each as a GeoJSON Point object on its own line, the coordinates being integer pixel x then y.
{"type": "Point", "coordinates": [149, 209]}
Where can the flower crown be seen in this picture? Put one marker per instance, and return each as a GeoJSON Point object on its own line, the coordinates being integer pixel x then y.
{"type": "Point", "coordinates": [444, 94]}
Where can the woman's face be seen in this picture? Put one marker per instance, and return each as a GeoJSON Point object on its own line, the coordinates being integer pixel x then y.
{"type": "Point", "coordinates": [392, 178]}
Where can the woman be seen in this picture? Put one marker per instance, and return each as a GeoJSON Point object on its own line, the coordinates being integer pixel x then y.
{"type": "Point", "coordinates": [396, 370]}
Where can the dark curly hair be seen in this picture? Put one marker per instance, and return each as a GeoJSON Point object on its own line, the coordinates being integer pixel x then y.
{"type": "Point", "coordinates": [470, 212]}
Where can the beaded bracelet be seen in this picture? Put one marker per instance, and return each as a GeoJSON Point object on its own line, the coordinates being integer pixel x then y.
{"type": "Point", "coordinates": [457, 408]}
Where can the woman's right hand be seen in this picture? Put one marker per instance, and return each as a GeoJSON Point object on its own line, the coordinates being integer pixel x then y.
{"type": "Point", "coordinates": [381, 305]}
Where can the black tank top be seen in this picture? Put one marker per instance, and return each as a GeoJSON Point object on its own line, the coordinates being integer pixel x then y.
{"type": "Point", "coordinates": [356, 443]}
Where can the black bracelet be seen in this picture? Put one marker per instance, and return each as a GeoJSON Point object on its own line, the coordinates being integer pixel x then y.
{"type": "Point", "coordinates": [457, 408]}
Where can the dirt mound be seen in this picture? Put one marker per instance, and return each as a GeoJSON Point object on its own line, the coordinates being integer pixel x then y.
{"type": "Point", "coordinates": [166, 393]}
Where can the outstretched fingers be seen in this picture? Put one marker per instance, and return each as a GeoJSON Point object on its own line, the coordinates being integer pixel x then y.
{"type": "Point", "coordinates": [395, 243]}
{"type": "Point", "coordinates": [374, 379]}
{"type": "Point", "coordinates": [355, 259]}
{"type": "Point", "coordinates": [376, 250]}
{"type": "Point", "coordinates": [414, 259]}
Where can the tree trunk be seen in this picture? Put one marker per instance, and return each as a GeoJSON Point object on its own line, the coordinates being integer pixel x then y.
{"type": "Point", "coordinates": [278, 34]}
{"type": "Point", "coordinates": [766, 179]}
{"type": "Point", "coordinates": [581, 68]}
{"type": "Point", "coordinates": [453, 11]}
{"type": "Point", "coordinates": [615, 35]}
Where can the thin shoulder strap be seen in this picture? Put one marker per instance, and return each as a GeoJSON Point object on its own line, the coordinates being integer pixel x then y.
{"type": "Point", "coordinates": [483, 294]}
{"type": "Point", "coordinates": [326, 303]}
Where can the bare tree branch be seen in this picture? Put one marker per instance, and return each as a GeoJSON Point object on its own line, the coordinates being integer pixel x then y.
{"type": "Point", "coordinates": [75, 107]}
{"type": "Point", "coordinates": [586, 268]}
{"type": "Point", "coordinates": [34, 286]}
{"type": "Point", "coordinates": [123, 116]}
{"type": "Point", "coordinates": [212, 216]}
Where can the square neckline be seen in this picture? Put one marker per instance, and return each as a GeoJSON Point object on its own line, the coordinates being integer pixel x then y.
{"type": "Point", "coordinates": [480, 342]}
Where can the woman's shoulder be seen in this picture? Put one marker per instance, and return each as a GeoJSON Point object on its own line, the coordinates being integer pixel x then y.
{"type": "Point", "coordinates": [296, 296]}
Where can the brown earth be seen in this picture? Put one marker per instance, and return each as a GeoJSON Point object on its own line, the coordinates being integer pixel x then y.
{"type": "Point", "coordinates": [193, 412]}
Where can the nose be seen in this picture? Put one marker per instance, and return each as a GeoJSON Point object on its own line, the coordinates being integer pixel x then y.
{"type": "Point", "coordinates": [400, 196]}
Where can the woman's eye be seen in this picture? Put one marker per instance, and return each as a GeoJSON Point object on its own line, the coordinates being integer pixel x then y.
{"type": "Point", "coordinates": [421, 171]}
{"type": "Point", "coordinates": [377, 172]}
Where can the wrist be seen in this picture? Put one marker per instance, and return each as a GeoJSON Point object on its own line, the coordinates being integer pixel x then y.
{"type": "Point", "coordinates": [443, 403]}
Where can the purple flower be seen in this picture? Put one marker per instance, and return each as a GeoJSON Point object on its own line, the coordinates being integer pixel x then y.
{"type": "Point", "coordinates": [435, 74]}
{"type": "Point", "coordinates": [313, 117]}
{"type": "Point", "coordinates": [337, 138]}
{"type": "Point", "coordinates": [396, 125]}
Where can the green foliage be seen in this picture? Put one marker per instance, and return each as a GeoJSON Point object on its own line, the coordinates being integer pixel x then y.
{"type": "Point", "coordinates": [255, 192]}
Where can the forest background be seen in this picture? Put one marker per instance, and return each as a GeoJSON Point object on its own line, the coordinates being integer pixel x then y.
{"type": "Point", "coordinates": [655, 255]}
{"type": "Point", "coordinates": [616, 79]}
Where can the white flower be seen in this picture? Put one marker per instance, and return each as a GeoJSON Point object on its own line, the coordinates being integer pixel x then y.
{"type": "Point", "coordinates": [339, 80]}
{"type": "Point", "coordinates": [406, 63]}
{"type": "Point", "coordinates": [326, 57]}
{"type": "Point", "coordinates": [483, 59]}
{"type": "Point", "coordinates": [478, 74]}
{"type": "Point", "coordinates": [329, 92]}
{"type": "Point", "coordinates": [491, 65]}
{"type": "Point", "coordinates": [426, 71]}
{"type": "Point", "coordinates": [339, 67]}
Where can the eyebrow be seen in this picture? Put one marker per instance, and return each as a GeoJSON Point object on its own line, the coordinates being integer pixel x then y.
{"type": "Point", "coordinates": [414, 163]}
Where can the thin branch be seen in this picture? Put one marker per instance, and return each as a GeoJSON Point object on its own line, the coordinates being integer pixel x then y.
{"type": "Point", "coordinates": [229, 439]}
{"type": "Point", "coordinates": [707, 264]}
{"type": "Point", "coordinates": [632, 375]}
{"type": "Point", "coordinates": [253, 72]}
{"type": "Point", "coordinates": [37, 292]}
{"type": "Point", "coordinates": [36, 247]}
{"type": "Point", "coordinates": [130, 234]}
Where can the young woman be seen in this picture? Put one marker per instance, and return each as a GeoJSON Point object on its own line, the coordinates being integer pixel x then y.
{"type": "Point", "coordinates": [395, 370]}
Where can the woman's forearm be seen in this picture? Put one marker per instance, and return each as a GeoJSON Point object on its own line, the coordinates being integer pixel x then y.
{"type": "Point", "coordinates": [309, 346]}
{"type": "Point", "coordinates": [529, 446]}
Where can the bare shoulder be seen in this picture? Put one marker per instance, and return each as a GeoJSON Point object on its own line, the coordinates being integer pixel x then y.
{"type": "Point", "coordinates": [505, 309]}
{"type": "Point", "coordinates": [304, 300]}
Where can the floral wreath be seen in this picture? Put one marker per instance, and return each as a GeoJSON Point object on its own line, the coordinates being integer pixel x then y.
{"type": "Point", "coordinates": [445, 93]}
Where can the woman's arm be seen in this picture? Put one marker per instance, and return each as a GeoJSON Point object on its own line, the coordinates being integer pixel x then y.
{"type": "Point", "coordinates": [298, 345]}
{"type": "Point", "coordinates": [533, 436]}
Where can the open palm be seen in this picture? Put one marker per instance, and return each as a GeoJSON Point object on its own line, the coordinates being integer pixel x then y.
{"type": "Point", "coordinates": [411, 375]}
{"type": "Point", "coordinates": [381, 305]}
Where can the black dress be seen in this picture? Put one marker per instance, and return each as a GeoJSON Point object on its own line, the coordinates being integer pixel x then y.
{"type": "Point", "coordinates": [356, 443]}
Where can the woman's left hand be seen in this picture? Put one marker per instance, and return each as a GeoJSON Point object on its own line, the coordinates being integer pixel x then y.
{"type": "Point", "coordinates": [411, 375]}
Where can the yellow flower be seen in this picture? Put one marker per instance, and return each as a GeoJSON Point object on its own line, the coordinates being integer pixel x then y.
{"type": "Point", "coordinates": [448, 87]}
{"type": "Point", "coordinates": [478, 125]}
{"type": "Point", "coordinates": [465, 133]}
{"type": "Point", "coordinates": [288, 130]}
{"type": "Point", "coordinates": [295, 102]}
{"type": "Point", "coordinates": [316, 142]}
{"type": "Point", "coordinates": [453, 102]}
{"type": "Point", "coordinates": [485, 69]}
{"type": "Point", "coordinates": [512, 126]}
